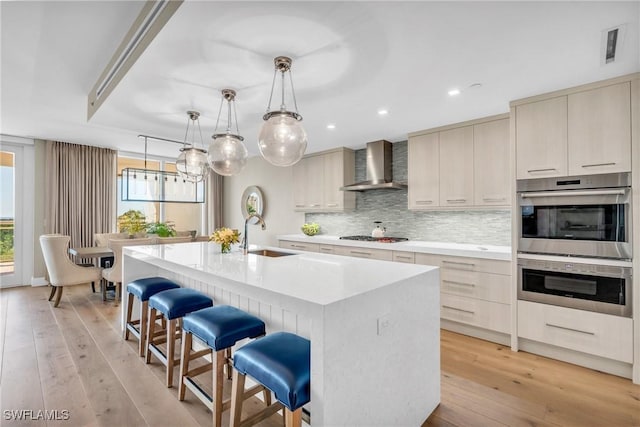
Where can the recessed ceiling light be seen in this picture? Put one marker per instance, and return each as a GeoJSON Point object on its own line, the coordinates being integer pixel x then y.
{"type": "Point", "coordinates": [454, 92]}
{"type": "Point", "coordinates": [383, 112]}
{"type": "Point", "coordinates": [331, 126]}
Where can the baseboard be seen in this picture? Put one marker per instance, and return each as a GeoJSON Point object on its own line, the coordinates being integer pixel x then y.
{"type": "Point", "coordinates": [473, 331]}
{"type": "Point", "coordinates": [590, 361]}
{"type": "Point", "coordinates": [39, 281]}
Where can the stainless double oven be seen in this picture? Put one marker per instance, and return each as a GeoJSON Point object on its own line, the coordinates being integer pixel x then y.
{"type": "Point", "coordinates": [575, 242]}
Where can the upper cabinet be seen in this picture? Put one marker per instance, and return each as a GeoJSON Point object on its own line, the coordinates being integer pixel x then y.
{"type": "Point", "coordinates": [317, 179]}
{"type": "Point", "coordinates": [423, 162]}
{"type": "Point", "coordinates": [578, 131]}
{"type": "Point", "coordinates": [461, 166]}
{"type": "Point", "coordinates": [491, 184]}
{"type": "Point", "coordinates": [541, 138]}
{"type": "Point", "coordinates": [600, 130]}
{"type": "Point", "coordinates": [456, 167]}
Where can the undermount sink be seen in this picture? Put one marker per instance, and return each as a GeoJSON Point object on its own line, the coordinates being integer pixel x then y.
{"type": "Point", "coordinates": [269, 253]}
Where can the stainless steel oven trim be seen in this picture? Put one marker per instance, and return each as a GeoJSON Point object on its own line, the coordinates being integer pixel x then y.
{"type": "Point", "coordinates": [603, 270]}
{"type": "Point", "coordinates": [617, 250]}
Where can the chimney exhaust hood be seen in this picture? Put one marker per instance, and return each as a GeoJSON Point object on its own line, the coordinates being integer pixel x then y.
{"type": "Point", "coordinates": [379, 171]}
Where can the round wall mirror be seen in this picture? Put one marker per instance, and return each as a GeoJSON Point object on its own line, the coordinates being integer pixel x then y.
{"type": "Point", "coordinates": [252, 202]}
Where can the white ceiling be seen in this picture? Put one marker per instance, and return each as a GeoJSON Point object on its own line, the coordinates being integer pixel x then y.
{"type": "Point", "coordinates": [349, 60]}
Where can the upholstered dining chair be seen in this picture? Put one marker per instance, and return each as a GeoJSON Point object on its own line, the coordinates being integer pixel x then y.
{"type": "Point", "coordinates": [63, 271]}
{"type": "Point", "coordinates": [114, 274]}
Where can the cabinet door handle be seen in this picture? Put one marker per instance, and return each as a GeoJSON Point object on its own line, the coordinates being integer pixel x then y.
{"type": "Point", "coordinates": [299, 206]}
{"type": "Point", "coordinates": [468, 264]}
{"type": "Point", "coordinates": [360, 253]}
{"type": "Point", "coordinates": [541, 170]}
{"type": "Point", "coordinates": [494, 199]}
{"type": "Point", "coordinates": [471, 285]}
{"type": "Point", "coordinates": [593, 165]}
{"type": "Point", "coordinates": [424, 202]}
{"type": "Point", "coordinates": [326, 249]}
{"type": "Point", "coordinates": [332, 205]}
{"type": "Point", "coordinates": [456, 200]}
{"type": "Point", "coordinates": [551, 325]}
{"type": "Point", "coordinates": [314, 206]}
{"type": "Point", "coordinates": [403, 257]}
{"type": "Point", "coordinates": [573, 193]}
{"type": "Point", "coordinates": [458, 309]}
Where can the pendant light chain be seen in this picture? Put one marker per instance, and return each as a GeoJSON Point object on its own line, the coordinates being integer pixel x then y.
{"type": "Point", "coordinates": [273, 85]}
{"type": "Point", "coordinates": [219, 113]}
{"type": "Point", "coordinates": [293, 92]}
{"type": "Point", "coordinates": [283, 107]}
{"type": "Point", "coordinates": [235, 113]}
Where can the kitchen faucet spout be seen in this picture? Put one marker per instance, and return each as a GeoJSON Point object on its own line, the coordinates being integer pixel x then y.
{"type": "Point", "coordinates": [245, 238]}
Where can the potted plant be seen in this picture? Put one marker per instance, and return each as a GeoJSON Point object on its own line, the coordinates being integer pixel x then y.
{"type": "Point", "coordinates": [132, 222]}
{"type": "Point", "coordinates": [162, 229]}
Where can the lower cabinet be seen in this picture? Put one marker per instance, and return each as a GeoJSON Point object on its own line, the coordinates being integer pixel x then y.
{"type": "Point", "coordinates": [473, 291]}
{"type": "Point", "coordinates": [309, 247]}
{"type": "Point", "coordinates": [585, 331]}
{"type": "Point", "coordinates": [380, 254]}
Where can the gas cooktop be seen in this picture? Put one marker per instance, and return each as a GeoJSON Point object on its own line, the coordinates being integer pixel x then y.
{"type": "Point", "coordinates": [375, 239]}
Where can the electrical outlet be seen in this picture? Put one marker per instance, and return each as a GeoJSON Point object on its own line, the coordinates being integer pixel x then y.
{"type": "Point", "coordinates": [384, 322]}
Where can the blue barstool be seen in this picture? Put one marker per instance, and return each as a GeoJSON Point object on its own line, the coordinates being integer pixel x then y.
{"type": "Point", "coordinates": [143, 289]}
{"type": "Point", "coordinates": [280, 362]}
{"type": "Point", "coordinates": [219, 328]}
{"type": "Point", "coordinates": [173, 304]}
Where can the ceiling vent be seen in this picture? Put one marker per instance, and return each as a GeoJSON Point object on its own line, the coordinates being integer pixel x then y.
{"type": "Point", "coordinates": [612, 39]}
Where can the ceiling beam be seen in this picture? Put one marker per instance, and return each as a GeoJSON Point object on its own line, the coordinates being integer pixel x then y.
{"type": "Point", "coordinates": [152, 18]}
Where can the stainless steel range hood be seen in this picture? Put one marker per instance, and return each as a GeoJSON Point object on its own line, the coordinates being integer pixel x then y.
{"type": "Point", "coordinates": [379, 171]}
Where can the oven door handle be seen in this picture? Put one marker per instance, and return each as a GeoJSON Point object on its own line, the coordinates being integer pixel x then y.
{"type": "Point", "coordinates": [619, 192]}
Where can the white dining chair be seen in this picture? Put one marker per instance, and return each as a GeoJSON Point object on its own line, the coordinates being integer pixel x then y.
{"type": "Point", "coordinates": [114, 274]}
{"type": "Point", "coordinates": [62, 271]}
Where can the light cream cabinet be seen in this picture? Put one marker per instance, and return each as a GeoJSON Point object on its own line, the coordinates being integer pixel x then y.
{"type": "Point", "coordinates": [578, 131]}
{"type": "Point", "coordinates": [456, 167]}
{"type": "Point", "coordinates": [600, 130]}
{"type": "Point", "coordinates": [473, 291]}
{"type": "Point", "coordinates": [585, 331]}
{"type": "Point", "coordinates": [317, 179]}
{"type": "Point", "coordinates": [300, 246]}
{"type": "Point", "coordinates": [541, 138]}
{"type": "Point", "coordinates": [491, 171]}
{"type": "Point", "coordinates": [460, 166]}
{"type": "Point", "coordinates": [424, 171]}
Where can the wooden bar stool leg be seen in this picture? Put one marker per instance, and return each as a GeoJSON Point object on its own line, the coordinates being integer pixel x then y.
{"type": "Point", "coordinates": [293, 419]}
{"type": "Point", "coordinates": [128, 320]}
{"type": "Point", "coordinates": [237, 393]}
{"type": "Point", "coordinates": [58, 296]}
{"type": "Point", "coordinates": [171, 345]}
{"type": "Point", "coordinates": [144, 314]}
{"type": "Point", "coordinates": [219, 361]}
{"type": "Point", "coordinates": [150, 332]}
{"type": "Point", "coordinates": [185, 356]}
{"type": "Point", "coordinates": [228, 363]}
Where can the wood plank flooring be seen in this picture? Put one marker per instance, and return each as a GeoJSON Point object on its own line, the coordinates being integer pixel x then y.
{"type": "Point", "coordinates": [73, 358]}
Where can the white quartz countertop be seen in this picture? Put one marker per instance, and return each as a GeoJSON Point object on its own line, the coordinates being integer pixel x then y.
{"type": "Point", "coordinates": [317, 278]}
{"type": "Point", "coordinates": [439, 248]}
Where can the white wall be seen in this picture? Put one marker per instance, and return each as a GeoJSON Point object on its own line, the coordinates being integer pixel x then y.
{"type": "Point", "coordinates": [276, 184]}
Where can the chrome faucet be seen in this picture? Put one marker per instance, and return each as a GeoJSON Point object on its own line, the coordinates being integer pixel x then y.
{"type": "Point", "coordinates": [245, 238]}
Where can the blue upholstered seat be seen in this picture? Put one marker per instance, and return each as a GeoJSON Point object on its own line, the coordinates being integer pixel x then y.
{"type": "Point", "coordinates": [222, 326]}
{"type": "Point", "coordinates": [281, 362]}
{"type": "Point", "coordinates": [174, 303]}
{"type": "Point", "coordinates": [143, 289]}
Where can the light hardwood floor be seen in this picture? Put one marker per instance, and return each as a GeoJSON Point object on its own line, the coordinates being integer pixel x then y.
{"type": "Point", "coordinates": [73, 358]}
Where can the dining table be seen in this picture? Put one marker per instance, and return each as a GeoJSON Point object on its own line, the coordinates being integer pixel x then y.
{"type": "Point", "coordinates": [97, 253]}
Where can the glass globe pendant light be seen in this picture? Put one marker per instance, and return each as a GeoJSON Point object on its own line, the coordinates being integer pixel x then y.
{"type": "Point", "coordinates": [227, 154]}
{"type": "Point", "coordinates": [282, 139]}
{"type": "Point", "coordinates": [192, 161]}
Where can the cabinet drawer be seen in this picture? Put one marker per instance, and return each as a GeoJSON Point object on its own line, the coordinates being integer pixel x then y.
{"type": "Point", "coordinates": [465, 263]}
{"type": "Point", "coordinates": [473, 284]}
{"type": "Point", "coordinates": [483, 314]}
{"type": "Point", "coordinates": [309, 247]}
{"type": "Point", "coordinates": [593, 333]}
{"type": "Point", "coordinates": [408, 257]}
{"type": "Point", "coordinates": [380, 254]}
{"type": "Point", "coordinates": [327, 249]}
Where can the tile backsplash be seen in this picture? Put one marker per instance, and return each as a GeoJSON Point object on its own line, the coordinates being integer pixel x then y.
{"type": "Point", "coordinates": [489, 227]}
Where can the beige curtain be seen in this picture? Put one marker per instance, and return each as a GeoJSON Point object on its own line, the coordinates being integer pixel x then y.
{"type": "Point", "coordinates": [80, 191]}
{"type": "Point", "coordinates": [213, 200]}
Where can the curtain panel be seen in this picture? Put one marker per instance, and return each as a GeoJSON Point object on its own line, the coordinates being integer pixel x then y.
{"type": "Point", "coordinates": [213, 201]}
{"type": "Point", "coordinates": [80, 191]}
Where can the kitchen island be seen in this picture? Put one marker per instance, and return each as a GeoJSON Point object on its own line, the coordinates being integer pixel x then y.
{"type": "Point", "coordinates": [373, 325]}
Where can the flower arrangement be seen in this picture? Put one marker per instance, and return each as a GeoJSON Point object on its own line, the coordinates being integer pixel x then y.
{"type": "Point", "coordinates": [225, 237]}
